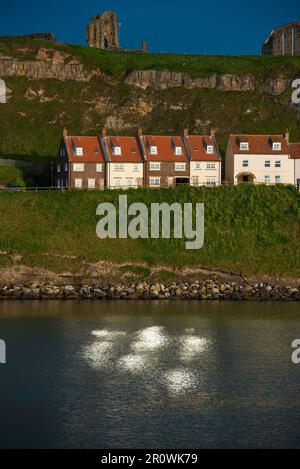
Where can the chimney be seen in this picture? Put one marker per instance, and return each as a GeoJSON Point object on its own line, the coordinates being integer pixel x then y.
{"type": "Point", "coordinates": [186, 133]}
{"type": "Point", "coordinates": [212, 132]}
{"type": "Point", "coordinates": [140, 132]}
{"type": "Point", "coordinates": [65, 132]}
{"type": "Point", "coordinates": [104, 133]}
{"type": "Point", "coordinates": [287, 136]}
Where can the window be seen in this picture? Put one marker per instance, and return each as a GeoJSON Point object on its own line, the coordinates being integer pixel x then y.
{"type": "Point", "coordinates": [66, 167]}
{"type": "Point", "coordinates": [154, 181]}
{"type": "Point", "coordinates": [96, 151]}
{"type": "Point", "coordinates": [135, 168]}
{"type": "Point", "coordinates": [276, 146]}
{"type": "Point", "coordinates": [277, 179]}
{"type": "Point", "coordinates": [99, 168]}
{"type": "Point", "coordinates": [209, 149]}
{"type": "Point", "coordinates": [117, 151]}
{"type": "Point", "coordinates": [154, 166]}
{"type": "Point", "coordinates": [278, 164]}
{"type": "Point", "coordinates": [244, 145]}
{"type": "Point", "coordinates": [117, 182]}
{"type": "Point", "coordinates": [91, 183]}
{"type": "Point", "coordinates": [129, 182]}
{"type": "Point", "coordinates": [268, 164]}
{"type": "Point", "coordinates": [245, 163]}
{"type": "Point", "coordinates": [267, 179]}
{"type": "Point", "coordinates": [119, 167]}
{"type": "Point", "coordinates": [58, 168]}
{"type": "Point", "coordinates": [210, 181]}
{"type": "Point", "coordinates": [132, 149]}
{"type": "Point", "coordinates": [198, 166]}
{"type": "Point", "coordinates": [180, 166]}
{"type": "Point", "coordinates": [196, 148]}
{"type": "Point", "coordinates": [153, 150]}
{"type": "Point", "coordinates": [78, 183]}
{"type": "Point", "coordinates": [178, 151]}
{"type": "Point", "coordinates": [79, 151]}
{"type": "Point", "coordinates": [78, 167]}
{"type": "Point", "coordinates": [210, 166]}
{"type": "Point", "coordinates": [62, 152]}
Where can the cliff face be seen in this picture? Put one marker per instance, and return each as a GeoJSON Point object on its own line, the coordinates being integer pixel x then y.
{"type": "Point", "coordinates": [49, 87]}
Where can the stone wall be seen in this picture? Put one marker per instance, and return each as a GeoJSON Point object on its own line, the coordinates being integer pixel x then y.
{"type": "Point", "coordinates": [283, 41]}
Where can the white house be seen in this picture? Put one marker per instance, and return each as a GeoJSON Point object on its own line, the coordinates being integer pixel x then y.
{"type": "Point", "coordinates": [259, 159]}
{"type": "Point", "coordinates": [205, 160]}
{"type": "Point", "coordinates": [124, 162]}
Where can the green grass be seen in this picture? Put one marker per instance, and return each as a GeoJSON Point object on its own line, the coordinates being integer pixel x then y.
{"type": "Point", "coordinates": [248, 230]}
{"type": "Point", "coordinates": [117, 63]}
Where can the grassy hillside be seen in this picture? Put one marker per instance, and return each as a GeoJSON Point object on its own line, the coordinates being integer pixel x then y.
{"type": "Point", "coordinates": [248, 229]}
{"type": "Point", "coordinates": [32, 120]}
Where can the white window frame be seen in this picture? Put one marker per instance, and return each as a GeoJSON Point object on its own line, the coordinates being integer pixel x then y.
{"type": "Point", "coordinates": [91, 183]}
{"type": "Point", "coordinates": [276, 179]}
{"type": "Point", "coordinates": [58, 168]}
{"type": "Point", "coordinates": [117, 151]}
{"type": "Point", "coordinates": [99, 167]}
{"type": "Point", "coordinates": [244, 146]}
{"type": "Point", "coordinates": [66, 167]}
{"type": "Point", "coordinates": [276, 146]}
{"type": "Point", "coordinates": [136, 168]}
{"type": "Point", "coordinates": [78, 183]}
{"type": "Point", "coordinates": [153, 150]}
{"type": "Point", "coordinates": [154, 182]}
{"type": "Point", "coordinates": [129, 182]}
{"type": "Point", "coordinates": [198, 166]}
{"type": "Point", "coordinates": [245, 164]}
{"type": "Point", "coordinates": [278, 164]}
{"type": "Point", "coordinates": [267, 163]}
{"type": "Point", "coordinates": [154, 166]}
{"type": "Point", "coordinates": [180, 167]}
{"type": "Point", "coordinates": [79, 151]}
{"type": "Point", "coordinates": [119, 167]}
{"type": "Point", "coordinates": [78, 167]}
{"type": "Point", "coordinates": [117, 182]}
{"type": "Point", "coordinates": [267, 179]}
{"type": "Point", "coordinates": [209, 149]}
{"type": "Point", "coordinates": [178, 151]}
{"type": "Point", "coordinates": [211, 166]}
{"type": "Point", "coordinates": [211, 181]}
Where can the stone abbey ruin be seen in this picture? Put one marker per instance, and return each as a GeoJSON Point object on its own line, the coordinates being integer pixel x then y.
{"type": "Point", "coordinates": [103, 33]}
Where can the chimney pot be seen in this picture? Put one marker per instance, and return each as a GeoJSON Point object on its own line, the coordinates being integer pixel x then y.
{"type": "Point", "coordinates": [140, 132]}
{"type": "Point", "coordinates": [65, 132]}
{"type": "Point", "coordinates": [186, 133]}
{"type": "Point", "coordinates": [104, 133]}
{"type": "Point", "coordinates": [287, 135]}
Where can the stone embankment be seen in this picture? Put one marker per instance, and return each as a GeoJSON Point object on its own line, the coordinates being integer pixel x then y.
{"type": "Point", "coordinates": [199, 290]}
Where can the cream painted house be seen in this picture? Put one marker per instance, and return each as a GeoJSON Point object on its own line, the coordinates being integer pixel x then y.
{"type": "Point", "coordinates": [124, 162]}
{"type": "Point", "coordinates": [259, 159]}
{"type": "Point", "coordinates": [205, 160]}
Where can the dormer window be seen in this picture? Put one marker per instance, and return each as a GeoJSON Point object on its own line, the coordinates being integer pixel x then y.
{"type": "Point", "coordinates": [96, 151]}
{"type": "Point", "coordinates": [79, 151]}
{"type": "Point", "coordinates": [132, 149]}
{"type": "Point", "coordinates": [178, 151]}
{"type": "Point", "coordinates": [209, 149]}
{"type": "Point", "coordinates": [153, 150]}
{"type": "Point", "coordinates": [276, 146]}
{"type": "Point", "coordinates": [117, 151]}
{"type": "Point", "coordinates": [196, 148]}
{"type": "Point", "coordinates": [244, 146]}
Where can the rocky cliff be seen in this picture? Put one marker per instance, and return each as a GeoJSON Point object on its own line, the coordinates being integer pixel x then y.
{"type": "Point", "coordinates": [52, 86]}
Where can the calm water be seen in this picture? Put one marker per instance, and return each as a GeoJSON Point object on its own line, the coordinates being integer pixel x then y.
{"type": "Point", "coordinates": [154, 375]}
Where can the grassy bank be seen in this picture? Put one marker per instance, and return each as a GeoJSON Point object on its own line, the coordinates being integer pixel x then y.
{"type": "Point", "coordinates": [249, 230]}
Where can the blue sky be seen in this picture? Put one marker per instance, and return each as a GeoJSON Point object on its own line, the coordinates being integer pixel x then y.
{"type": "Point", "coordinates": [198, 27]}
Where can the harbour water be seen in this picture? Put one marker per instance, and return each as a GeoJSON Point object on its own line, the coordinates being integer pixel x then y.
{"type": "Point", "coordinates": [149, 375]}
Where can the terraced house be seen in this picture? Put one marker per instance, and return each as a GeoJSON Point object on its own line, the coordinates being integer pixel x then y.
{"type": "Point", "coordinates": [80, 163]}
{"type": "Point", "coordinates": [124, 161]}
{"type": "Point", "coordinates": [262, 159]}
{"type": "Point", "coordinates": [144, 161]}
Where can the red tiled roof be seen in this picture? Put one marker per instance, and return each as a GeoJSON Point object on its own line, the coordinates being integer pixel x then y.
{"type": "Point", "coordinates": [127, 145]}
{"type": "Point", "coordinates": [165, 148]}
{"type": "Point", "coordinates": [295, 150]}
{"type": "Point", "coordinates": [92, 152]}
{"type": "Point", "coordinates": [197, 146]}
{"type": "Point", "coordinates": [259, 144]}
